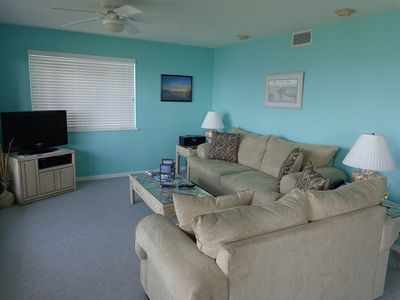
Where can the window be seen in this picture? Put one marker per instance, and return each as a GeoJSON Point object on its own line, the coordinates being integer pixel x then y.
{"type": "Point", "coordinates": [97, 92]}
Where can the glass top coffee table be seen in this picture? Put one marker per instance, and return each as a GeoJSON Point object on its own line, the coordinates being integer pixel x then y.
{"type": "Point", "coordinates": [158, 198]}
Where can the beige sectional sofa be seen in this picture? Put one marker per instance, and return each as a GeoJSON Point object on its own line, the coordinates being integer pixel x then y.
{"type": "Point", "coordinates": [307, 245]}
{"type": "Point", "coordinates": [259, 161]}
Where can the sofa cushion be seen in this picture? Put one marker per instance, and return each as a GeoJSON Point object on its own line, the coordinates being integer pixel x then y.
{"type": "Point", "coordinates": [242, 222]}
{"type": "Point", "coordinates": [213, 169]}
{"type": "Point", "coordinates": [189, 206]}
{"type": "Point", "coordinates": [318, 155]}
{"type": "Point", "coordinates": [311, 180]}
{"type": "Point", "coordinates": [224, 146]}
{"type": "Point", "coordinates": [275, 154]}
{"type": "Point", "coordinates": [347, 198]}
{"type": "Point", "coordinates": [251, 149]}
{"type": "Point", "coordinates": [265, 186]}
{"type": "Point", "coordinates": [291, 164]}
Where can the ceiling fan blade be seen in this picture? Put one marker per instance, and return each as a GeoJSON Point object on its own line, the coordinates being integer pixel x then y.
{"type": "Point", "coordinates": [131, 28]}
{"type": "Point", "coordinates": [71, 9]}
{"type": "Point", "coordinates": [80, 21]}
{"type": "Point", "coordinates": [140, 19]}
{"type": "Point", "coordinates": [126, 11]}
{"type": "Point", "coordinates": [151, 19]}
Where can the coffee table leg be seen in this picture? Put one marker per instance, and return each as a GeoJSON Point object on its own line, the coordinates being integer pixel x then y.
{"type": "Point", "coordinates": [132, 195]}
{"type": "Point", "coordinates": [177, 166]}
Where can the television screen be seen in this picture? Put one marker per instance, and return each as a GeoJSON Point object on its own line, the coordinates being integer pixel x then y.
{"type": "Point", "coordinates": [34, 130]}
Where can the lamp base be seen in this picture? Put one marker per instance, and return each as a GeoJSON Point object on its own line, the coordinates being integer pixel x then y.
{"type": "Point", "coordinates": [364, 175]}
{"type": "Point", "coordinates": [209, 134]}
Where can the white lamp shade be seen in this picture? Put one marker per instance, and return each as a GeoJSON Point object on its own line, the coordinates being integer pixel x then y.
{"type": "Point", "coordinates": [370, 152]}
{"type": "Point", "coordinates": [212, 121]}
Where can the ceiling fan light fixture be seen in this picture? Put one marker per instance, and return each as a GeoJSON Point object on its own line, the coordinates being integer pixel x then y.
{"type": "Point", "coordinates": [243, 37]}
{"type": "Point", "coordinates": [113, 23]}
{"type": "Point", "coordinates": [345, 12]}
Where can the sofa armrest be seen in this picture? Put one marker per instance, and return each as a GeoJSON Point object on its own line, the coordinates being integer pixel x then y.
{"type": "Point", "coordinates": [184, 270]}
{"type": "Point", "coordinates": [202, 150]}
{"type": "Point", "coordinates": [390, 234]}
{"type": "Point", "coordinates": [288, 181]}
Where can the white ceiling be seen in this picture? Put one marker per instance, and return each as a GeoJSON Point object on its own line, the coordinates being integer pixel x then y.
{"type": "Point", "coordinates": [209, 23]}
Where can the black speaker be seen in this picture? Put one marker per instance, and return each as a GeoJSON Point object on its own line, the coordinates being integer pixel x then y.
{"type": "Point", "coordinates": [191, 140]}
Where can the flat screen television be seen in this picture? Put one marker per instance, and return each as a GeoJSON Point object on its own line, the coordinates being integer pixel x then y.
{"type": "Point", "coordinates": [34, 131]}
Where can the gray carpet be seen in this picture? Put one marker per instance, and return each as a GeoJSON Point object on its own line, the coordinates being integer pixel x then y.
{"type": "Point", "coordinates": [80, 246]}
{"type": "Point", "coordinates": [73, 246]}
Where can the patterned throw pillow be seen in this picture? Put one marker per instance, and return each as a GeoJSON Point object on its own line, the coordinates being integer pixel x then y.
{"type": "Point", "coordinates": [224, 146]}
{"type": "Point", "coordinates": [292, 163]}
{"type": "Point", "coordinates": [311, 179]}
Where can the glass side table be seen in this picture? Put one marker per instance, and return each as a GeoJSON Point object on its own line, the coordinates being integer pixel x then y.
{"type": "Point", "coordinates": [187, 153]}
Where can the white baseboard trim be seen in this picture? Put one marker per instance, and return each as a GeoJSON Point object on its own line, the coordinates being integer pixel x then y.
{"type": "Point", "coordinates": [106, 176]}
{"type": "Point", "coordinates": [396, 248]}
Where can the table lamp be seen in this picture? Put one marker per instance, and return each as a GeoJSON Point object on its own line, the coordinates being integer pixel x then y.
{"type": "Point", "coordinates": [370, 154]}
{"type": "Point", "coordinates": [212, 122]}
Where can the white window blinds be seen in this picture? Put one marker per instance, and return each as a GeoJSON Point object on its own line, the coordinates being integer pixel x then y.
{"type": "Point", "coordinates": [97, 92]}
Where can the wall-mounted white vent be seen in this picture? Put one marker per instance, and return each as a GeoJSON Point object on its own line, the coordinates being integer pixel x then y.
{"type": "Point", "coordinates": [302, 38]}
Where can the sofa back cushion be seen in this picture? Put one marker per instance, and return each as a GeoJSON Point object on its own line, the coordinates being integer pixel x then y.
{"type": "Point", "coordinates": [347, 198]}
{"type": "Point", "coordinates": [276, 152]}
{"type": "Point", "coordinates": [251, 149]}
{"type": "Point", "coordinates": [318, 155]}
{"type": "Point", "coordinates": [214, 229]}
{"type": "Point", "coordinates": [278, 149]}
{"type": "Point", "coordinates": [189, 206]}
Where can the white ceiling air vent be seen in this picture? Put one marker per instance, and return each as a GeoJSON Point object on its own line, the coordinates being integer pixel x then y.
{"type": "Point", "coordinates": [302, 38]}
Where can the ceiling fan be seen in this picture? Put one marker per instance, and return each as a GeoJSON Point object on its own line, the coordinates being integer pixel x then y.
{"type": "Point", "coordinates": [114, 19]}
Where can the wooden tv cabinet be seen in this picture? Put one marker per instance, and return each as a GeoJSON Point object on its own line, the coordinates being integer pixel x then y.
{"type": "Point", "coordinates": [39, 176]}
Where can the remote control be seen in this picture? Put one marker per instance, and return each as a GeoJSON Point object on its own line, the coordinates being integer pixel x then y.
{"type": "Point", "coordinates": [189, 185]}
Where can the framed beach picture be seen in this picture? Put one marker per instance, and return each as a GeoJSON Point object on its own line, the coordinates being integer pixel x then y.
{"type": "Point", "coordinates": [284, 90]}
{"type": "Point", "coordinates": [176, 88]}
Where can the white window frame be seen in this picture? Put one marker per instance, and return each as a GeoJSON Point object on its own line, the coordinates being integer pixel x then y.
{"type": "Point", "coordinates": [109, 106]}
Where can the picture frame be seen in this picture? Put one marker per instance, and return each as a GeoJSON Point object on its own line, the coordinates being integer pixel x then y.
{"type": "Point", "coordinates": [284, 90]}
{"type": "Point", "coordinates": [167, 172]}
{"type": "Point", "coordinates": [176, 88]}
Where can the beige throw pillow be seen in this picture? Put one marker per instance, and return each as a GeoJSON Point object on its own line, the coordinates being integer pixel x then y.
{"type": "Point", "coordinates": [188, 206]}
{"type": "Point", "coordinates": [243, 222]}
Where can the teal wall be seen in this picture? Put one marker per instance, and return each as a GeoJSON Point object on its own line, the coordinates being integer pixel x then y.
{"type": "Point", "coordinates": [351, 85]}
{"type": "Point", "coordinates": [351, 75]}
{"type": "Point", "coordinates": [160, 123]}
